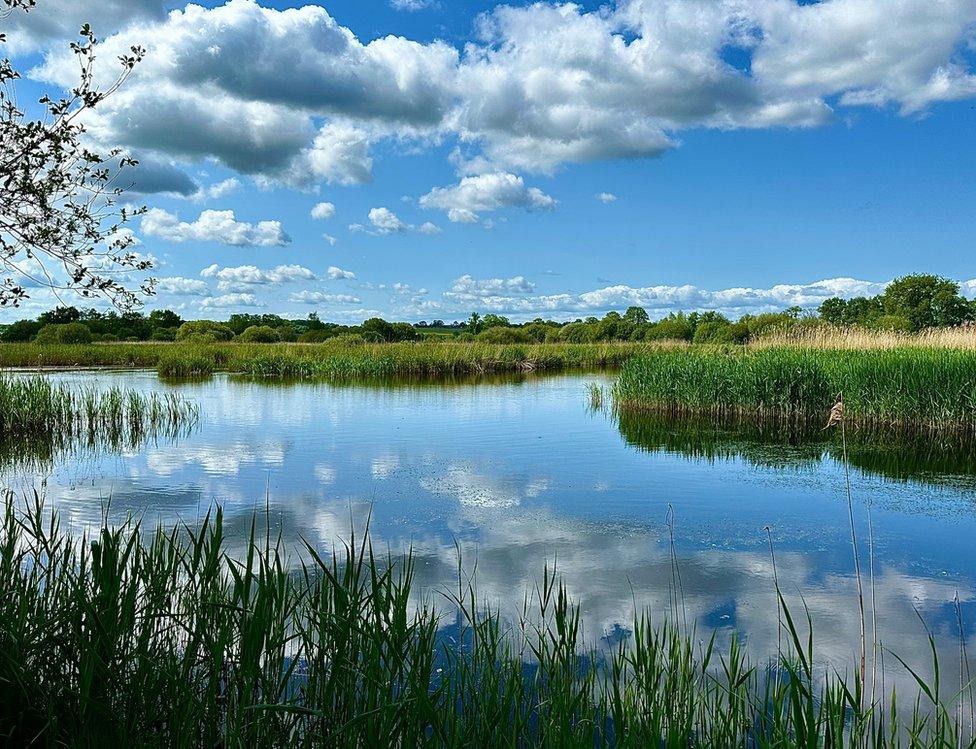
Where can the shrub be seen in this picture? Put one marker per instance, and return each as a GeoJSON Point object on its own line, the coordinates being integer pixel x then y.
{"type": "Point", "coordinates": [164, 334]}
{"type": "Point", "coordinates": [316, 336]}
{"type": "Point", "coordinates": [203, 331]}
{"type": "Point", "coordinates": [73, 332]}
{"type": "Point", "coordinates": [259, 334]}
{"type": "Point", "coordinates": [504, 335]}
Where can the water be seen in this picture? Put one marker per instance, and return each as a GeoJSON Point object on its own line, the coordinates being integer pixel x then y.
{"type": "Point", "coordinates": [520, 472]}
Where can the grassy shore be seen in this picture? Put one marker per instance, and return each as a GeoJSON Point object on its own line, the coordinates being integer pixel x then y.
{"type": "Point", "coordinates": [907, 386]}
{"type": "Point", "coordinates": [326, 360]}
{"type": "Point", "coordinates": [122, 638]}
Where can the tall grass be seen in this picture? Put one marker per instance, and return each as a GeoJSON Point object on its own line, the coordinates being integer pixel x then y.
{"type": "Point", "coordinates": [35, 407]}
{"type": "Point", "coordinates": [924, 387]}
{"type": "Point", "coordinates": [125, 638]}
{"type": "Point", "coordinates": [332, 360]}
{"type": "Point", "coordinates": [836, 337]}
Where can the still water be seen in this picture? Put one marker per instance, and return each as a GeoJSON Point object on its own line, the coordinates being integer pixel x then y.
{"type": "Point", "coordinates": [520, 472]}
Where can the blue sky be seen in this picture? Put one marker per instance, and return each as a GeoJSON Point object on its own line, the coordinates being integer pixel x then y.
{"type": "Point", "coordinates": [750, 154]}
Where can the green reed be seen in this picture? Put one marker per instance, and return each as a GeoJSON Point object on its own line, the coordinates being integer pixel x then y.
{"type": "Point", "coordinates": [118, 637]}
{"type": "Point", "coordinates": [37, 408]}
{"type": "Point", "coordinates": [909, 386]}
{"type": "Point", "coordinates": [332, 360]}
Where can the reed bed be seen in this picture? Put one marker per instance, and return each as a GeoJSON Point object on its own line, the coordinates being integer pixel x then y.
{"type": "Point", "coordinates": [330, 360]}
{"type": "Point", "coordinates": [36, 408]}
{"type": "Point", "coordinates": [907, 386]}
{"type": "Point", "coordinates": [836, 337]}
{"type": "Point", "coordinates": [124, 638]}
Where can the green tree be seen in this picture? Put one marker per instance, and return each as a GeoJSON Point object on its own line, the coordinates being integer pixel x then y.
{"type": "Point", "coordinates": [636, 315]}
{"type": "Point", "coordinates": [72, 332]}
{"type": "Point", "coordinates": [927, 301]}
{"type": "Point", "coordinates": [259, 334]}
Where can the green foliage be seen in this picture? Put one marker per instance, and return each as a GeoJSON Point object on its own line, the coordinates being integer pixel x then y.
{"type": "Point", "coordinates": [504, 335]}
{"type": "Point", "coordinates": [66, 333]}
{"type": "Point", "coordinates": [259, 334]}
{"type": "Point", "coordinates": [924, 301]}
{"type": "Point", "coordinates": [203, 331]}
{"type": "Point", "coordinates": [927, 302]}
{"type": "Point", "coordinates": [912, 386]}
{"type": "Point", "coordinates": [676, 327]}
{"type": "Point", "coordinates": [20, 331]}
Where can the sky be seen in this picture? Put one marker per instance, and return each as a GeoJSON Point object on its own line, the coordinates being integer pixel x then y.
{"type": "Point", "coordinates": [422, 159]}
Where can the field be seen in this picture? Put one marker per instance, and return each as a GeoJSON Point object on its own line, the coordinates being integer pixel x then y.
{"type": "Point", "coordinates": [121, 638]}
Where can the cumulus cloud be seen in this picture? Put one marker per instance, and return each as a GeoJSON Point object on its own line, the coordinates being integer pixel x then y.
{"type": "Point", "coordinates": [292, 96]}
{"type": "Point", "coordinates": [177, 286]}
{"type": "Point", "coordinates": [214, 226]}
{"type": "Point", "coordinates": [385, 221]}
{"type": "Point", "coordinates": [338, 274]}
{"type": "Point", "coordinates": [243, 276]}
{"type": "Point", "coordinates": [320, 297]}
{"type": "Point", "coordinates": [218, 189]}
{"type": "Point", "coordinates": [606, 197]}
{"type": "Point", "coordinates": [323, 211]}
{"type": "Point", "coordinates": [516, 296]}
{"type": "Point", "coordinates": [230, 301]}
{"type": "Point", "coordinates": [429, 228]}
{"type": "Point", "coordinates": [486, 192]}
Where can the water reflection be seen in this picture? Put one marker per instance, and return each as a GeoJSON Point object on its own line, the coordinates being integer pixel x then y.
{"type": "Point", "coordinates": [517, 472]}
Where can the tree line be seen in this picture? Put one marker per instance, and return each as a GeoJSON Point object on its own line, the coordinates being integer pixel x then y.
{"type": "Point", "coordinates": [909, 304]}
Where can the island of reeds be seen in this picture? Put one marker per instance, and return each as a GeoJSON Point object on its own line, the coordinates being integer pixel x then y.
{"type": "Point", "coordinates": [119, 637]}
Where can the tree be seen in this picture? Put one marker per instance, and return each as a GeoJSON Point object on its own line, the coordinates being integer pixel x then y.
{"type": "Point", "coordinates": [164, 318]}
{"type": "Point", "coordinates": [474, 323]}
{"type": "Point", "coordinates": [59, 316]}
{"type": "Point", "coordinates": [636, 315]}
{"type": "Point", "coordinates": [259, 334]}
{"type": "Point", "coordinates": [927, 301]}
{"type": "Point", "coordinates": [60, 227]}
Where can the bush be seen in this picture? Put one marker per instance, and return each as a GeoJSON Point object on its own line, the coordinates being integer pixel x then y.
{"type": "Point", "coordinates": [504, 335]}
{"type": "Point", "coordinates": [105, 338]}
{"type": "Point", "coordinates": [259, 334]}
{"type": "Point", "coordinates": [164, 334]}
{"type": "Point", "coordinates": [316, 336]}
{"type": "Point", "coordinates": [672, 328]}
{"type": "Point", "coordinates": [73, 332]}
{"type": "Point", "coordinates": [203, 331]}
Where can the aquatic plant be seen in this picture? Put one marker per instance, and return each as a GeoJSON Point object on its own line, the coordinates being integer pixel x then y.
{"type": "Point", "coordinates": [37, 408]}
{"type": "Point", "coordinates": [121, 637]}
{"type": "Point", "coordinates": [926, 387]}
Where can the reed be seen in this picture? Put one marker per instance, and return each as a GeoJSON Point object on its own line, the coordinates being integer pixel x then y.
{"type": "Point", "coordinates": [332, 360]}
{"type": "Point", "coordinates": [907, 386]}
{"type": "Point", "coordinates": [123, 638]}
{"type": "Point", "coordinates": [34, 407]}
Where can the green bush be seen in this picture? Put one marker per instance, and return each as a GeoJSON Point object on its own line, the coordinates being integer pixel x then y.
{"type": "Point", "coordinates": [203, 331]}
{"type": "Point", "coordinates": [72, 332]}
{"type": "Point", "coordinates": [504, 335]}
{"type": "Point", "coordinates": [164, 334]}
{"type": "Point", "coordinates": [316, 336]}
{"type": "Point", "coordinates": [259, 334]}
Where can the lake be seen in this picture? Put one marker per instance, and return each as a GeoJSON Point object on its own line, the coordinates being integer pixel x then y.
{"type": "Point", "coordinates": [521, 472]}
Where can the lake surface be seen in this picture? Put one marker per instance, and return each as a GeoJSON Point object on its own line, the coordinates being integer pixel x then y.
{"type": "Point", "coordinates": [521, 472]}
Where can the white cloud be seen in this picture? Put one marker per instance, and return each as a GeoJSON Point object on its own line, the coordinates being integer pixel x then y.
{"type": "Point", "coordinates": [429, 228]}
{"type": "Point", "coordinates": [243, 276]}
{"type": "Point", "coordinates": [486, 192]}
{"type": "Point", "coordinates": [230, 301]}
{"type": "Point", "coordinates": [333, 241]}
{"type": "Point", "coordinates": [218, 189]}
{"type": "Point", "coordinates": [214, 226]}
{"type": "Point", "coordinates": [338, 274]}
{"type": "Point", "coordinates": [411, 5]}
{"type": "Point", "coordinates": [292, 96]}
{"type": "Point", "coordinates": [320, 297]}
{"type": "Point", "coordinates": [385, 221]}
{"type": "Point", "coordinates": [606, 197]}
{"type": "Point", "coordinates": [177, 286]}
{"type": "Point", "coordinates": [323, 211]}
{"type": "Point", "coordinates": [516, 296]}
